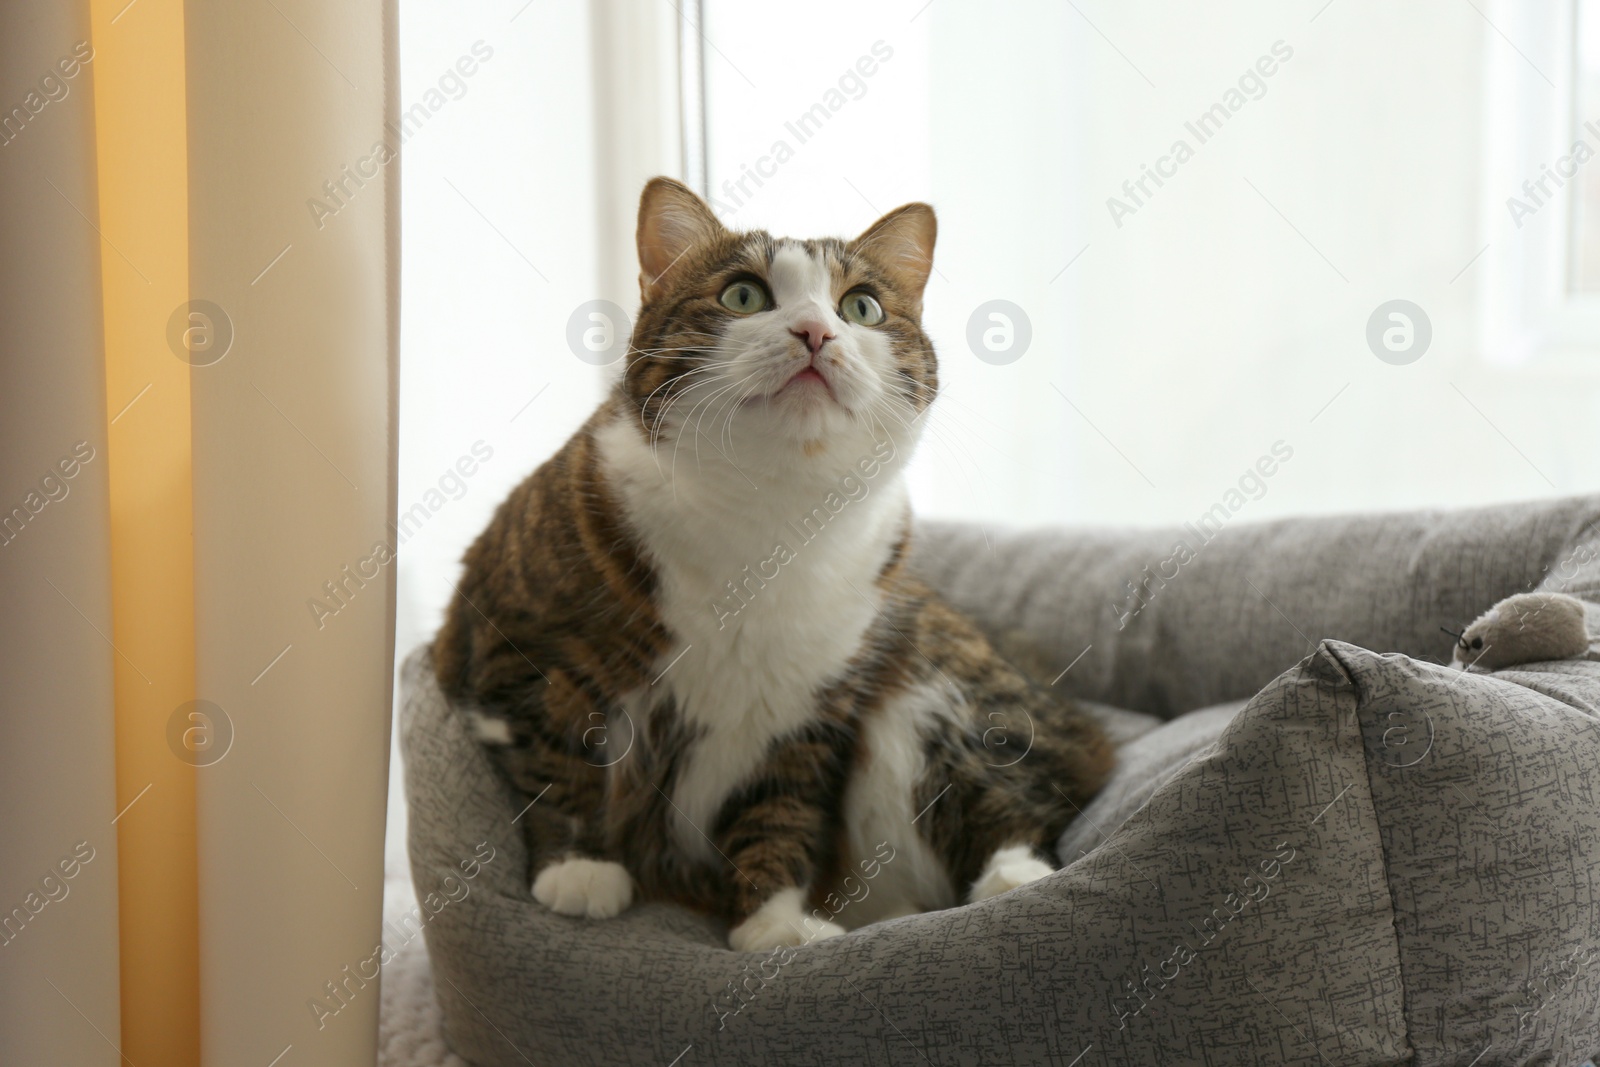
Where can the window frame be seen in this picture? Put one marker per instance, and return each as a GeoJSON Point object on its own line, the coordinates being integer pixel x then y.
{"type": "Point", "coordinates": [1530, 315]}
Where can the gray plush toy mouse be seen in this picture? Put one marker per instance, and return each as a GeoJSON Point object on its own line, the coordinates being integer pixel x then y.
{"type": "Point", "coordinates": [1525, 628]}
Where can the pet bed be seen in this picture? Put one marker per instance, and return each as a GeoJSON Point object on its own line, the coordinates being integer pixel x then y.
{"type": "Point", "coordinates": [1360, 854]}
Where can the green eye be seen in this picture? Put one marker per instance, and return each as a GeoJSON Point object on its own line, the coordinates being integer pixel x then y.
{"type": "Point", "coordinates": [744, 298]}
{"type": "Point", "coordinates": [861, 309]}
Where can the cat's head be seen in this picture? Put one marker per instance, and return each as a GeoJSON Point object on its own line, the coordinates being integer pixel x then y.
{"type": "Point", "coordinates": [774, 347]}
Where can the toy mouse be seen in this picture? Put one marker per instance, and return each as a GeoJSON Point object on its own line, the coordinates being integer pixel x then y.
{"type": "Point", "coordinates": [1525, 628]}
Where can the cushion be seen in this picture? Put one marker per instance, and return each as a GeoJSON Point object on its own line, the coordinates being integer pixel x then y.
{"type": "Point", "coordinates": [1377, 860]}
{"type": "Point", "coordinates": [1144, 764]}
{"type": "Point", "coordinates": [1164, 637]}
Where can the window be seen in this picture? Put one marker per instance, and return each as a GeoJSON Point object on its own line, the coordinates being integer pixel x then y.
{"type": "Point", "coordinates": [1584, 234]}
{"type": "Point", "coordinates": [1542, 299]}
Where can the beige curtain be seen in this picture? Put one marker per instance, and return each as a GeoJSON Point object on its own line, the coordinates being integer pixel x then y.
{"type": "Point", "coordinates": [294, 475]}
{"type": "Point", "coordinates": [58, 933]}
{"type": "Point", "coordinates": [198, 290]}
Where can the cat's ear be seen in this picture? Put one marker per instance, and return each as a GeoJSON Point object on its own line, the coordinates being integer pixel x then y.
{"type": "Point", "coordinates": [672, 220]}
{"type": "Point", "coordinates": [902, 243]}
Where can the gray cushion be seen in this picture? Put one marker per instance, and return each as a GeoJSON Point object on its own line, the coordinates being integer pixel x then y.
{"type": "Point", "coordinates": [1255, 599]}
{"type": "Point", "coordinates": [1144, 764]}
{"type": "Point", "coordinates": [1395, 917]}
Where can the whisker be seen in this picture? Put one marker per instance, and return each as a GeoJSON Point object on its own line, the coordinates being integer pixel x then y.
{"type": "Point", "coordinates": [673, 399]}
{"type": "Point", "coordinates": [679, 443]}
{"type": "Point", "coordinates": [654, 431]}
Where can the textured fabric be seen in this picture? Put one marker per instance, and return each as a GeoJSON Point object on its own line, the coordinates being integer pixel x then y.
{"type": "Point", "coordinates": [1487, 790]}
{"type": "Point", "coordinates": [1144, 764]}
{"type": "Point", "coordinates": [1254, 600]}
{"type": "Point", "coordinates": [1122, 727]}
{"type": "Point", "coordinates": [1308, 888]}
{"type": "Point", "coordinates": [1577, 573]}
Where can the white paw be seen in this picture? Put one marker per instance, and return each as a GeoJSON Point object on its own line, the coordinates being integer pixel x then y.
{"type": "Point", "coordinates": [596, 888]}
{"type": "Point", "coordinates": [1007, 869]}
{"type": "Point", "coordinates": [488, 729]}
{"type": "Point", "coordinates": [782, 920]}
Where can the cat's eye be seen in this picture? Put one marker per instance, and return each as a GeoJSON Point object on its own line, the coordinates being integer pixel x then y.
{"type": "Point", "coordinates": [744, 298]}
{"type": "Point", "coordinates": [860, 308]}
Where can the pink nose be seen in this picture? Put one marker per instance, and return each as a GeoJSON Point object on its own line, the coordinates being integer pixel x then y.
{"type": "Point", "coordinates": [814, 333]}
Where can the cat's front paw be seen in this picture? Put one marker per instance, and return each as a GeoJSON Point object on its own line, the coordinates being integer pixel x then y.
{"type": "Point", "coordinates": [781, 921]}
{"type": "Point", "coordinates": [598, 889]}
{"type": "Point", "coordinates": [1007, 869]}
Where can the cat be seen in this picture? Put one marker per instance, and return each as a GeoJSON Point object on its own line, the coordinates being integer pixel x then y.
{"type": "Point", "coordinates": [692, 643]}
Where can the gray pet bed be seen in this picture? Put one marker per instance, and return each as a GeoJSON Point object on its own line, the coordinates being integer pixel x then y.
{"type": "Point", "coordinates": [1377, 860]}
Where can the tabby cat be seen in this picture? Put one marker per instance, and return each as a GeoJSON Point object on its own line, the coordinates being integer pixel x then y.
{"type": "Point", "coordinates": [691, 641]}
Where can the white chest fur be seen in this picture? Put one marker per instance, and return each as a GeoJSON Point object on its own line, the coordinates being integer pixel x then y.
{"type": "Point", "coordinates": [751, 656]}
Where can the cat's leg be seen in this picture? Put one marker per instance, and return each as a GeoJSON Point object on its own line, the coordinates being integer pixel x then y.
{"type": "Point", "coordinates": [777, 831]}
{"type": "Point", "coordinates": [1015, 773]}
{"type": "Point", "coordinates": [577, 885]}
{"type": "Point", "coordinates": [783, 919]}
{"type": "Point", "coordinates": [1009, 867]}
{"type": "Point", "coordinates": [573, 870]}
{"type": "Point", "coordinates": [991, 836]}
{"type": "Point", "coordinates": [1007, 770]}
